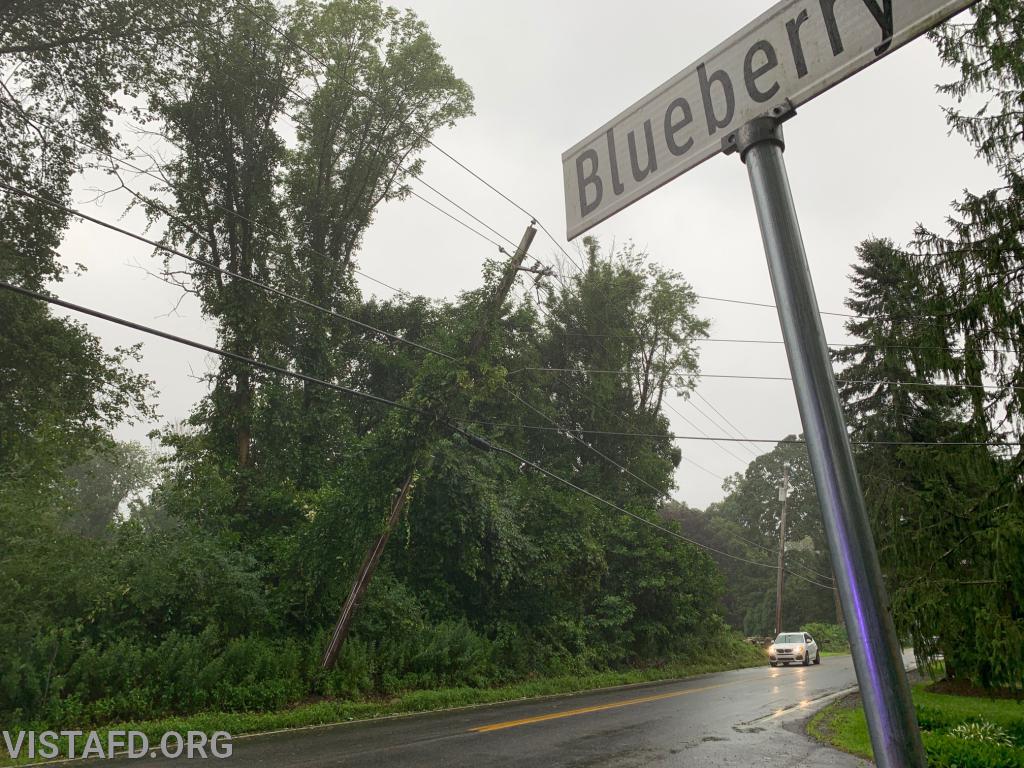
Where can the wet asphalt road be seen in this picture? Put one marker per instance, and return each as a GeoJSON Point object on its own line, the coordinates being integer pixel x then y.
{"type": "Point", "coordinates": [750, 717]}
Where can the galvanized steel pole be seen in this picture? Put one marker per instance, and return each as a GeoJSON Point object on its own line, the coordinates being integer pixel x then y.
{"type": "Point", "coordinates": [876, 651]}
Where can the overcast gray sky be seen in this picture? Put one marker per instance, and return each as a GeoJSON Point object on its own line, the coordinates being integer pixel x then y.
{"type": "Point", "coordinates": [871, 157]}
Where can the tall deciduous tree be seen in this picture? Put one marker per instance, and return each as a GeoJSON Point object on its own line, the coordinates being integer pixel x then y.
{"type": "Point", "coordinates": [62, 69]}
{"type": "Point", "coordinates": [746, 524]}
{"type": "Point", "coordinates": [380, 90]}
{"type": "Point", "coordinates": [62, 66]}
{"type": "Point", "coordinates": [220, 107]}
{"type": "Point", "coordinates": [617, 337]}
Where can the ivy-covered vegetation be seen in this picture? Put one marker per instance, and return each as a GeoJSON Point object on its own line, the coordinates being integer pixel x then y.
{"type": "Point", "coordinates": [209, 578]}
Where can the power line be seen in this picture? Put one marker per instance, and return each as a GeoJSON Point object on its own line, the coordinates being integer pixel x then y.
{"type": "Point", "coordinates": [725, 439]}
{"type": "Point", "coordinates": [475, 218]}
{"type": "Point", "coordinates": [210, 349]}
{"type": "Point", "coordinates": [780, 342]}
{"type": "Point", "coordinates": [788, 572]}
{"type": "Point", "coordinates": [718, 444]}
{"type": "Point", "coordinates": [775, 552]}
{"type": "Point", "coordinates": [224, 271]}
{"type": "Point", "coordinates": [473, 439]}
{"type": "Point", "coordinates": [767, 306]}
{"type": "Point", "coordinates": [459, 221]}
{"type": "Point", "coordinates": [755, 377]}
{"type": "Point", "coordinates": [736, 430]}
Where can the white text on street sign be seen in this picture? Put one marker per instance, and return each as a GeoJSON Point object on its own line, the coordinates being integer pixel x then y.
{"type": "Point", "coordinates": [794, 51]}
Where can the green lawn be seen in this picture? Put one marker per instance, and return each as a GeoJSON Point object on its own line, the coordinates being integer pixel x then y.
{"type": "Point", "coordinates": [843, 725]}
{"type": "Point", "coordinates": [736, 655]}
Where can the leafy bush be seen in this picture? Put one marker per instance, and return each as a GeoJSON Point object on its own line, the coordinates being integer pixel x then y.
{"type": "Point", "coordinates": [126, 679]}
{"type": "Point", "coordinates": [830, 637]}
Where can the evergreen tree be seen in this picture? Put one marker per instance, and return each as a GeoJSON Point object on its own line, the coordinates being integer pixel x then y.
{"type": "Point", "coordinates": [940, 532]}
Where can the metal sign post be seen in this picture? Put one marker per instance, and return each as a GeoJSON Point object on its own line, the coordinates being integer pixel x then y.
{"type": "Point", "coordinates": [876, 651]}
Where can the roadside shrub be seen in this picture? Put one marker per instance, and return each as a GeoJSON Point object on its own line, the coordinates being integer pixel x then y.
{"type": "Point", "coordinates": [353, 672]}
{"type": "Point", "coordinates": [830, 637]}
{"type": "Point", "coordinates": [125, 679]}
{"type": "Point", "coordinates": [933, 718]}
{"type": "Point", "coordinates": [454, 655]}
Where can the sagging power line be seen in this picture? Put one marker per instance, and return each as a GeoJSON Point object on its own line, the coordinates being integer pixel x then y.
{"type": "Point", "coordinates": [756, 377]}
{"type": "Point", "coordinates": [473, 439]}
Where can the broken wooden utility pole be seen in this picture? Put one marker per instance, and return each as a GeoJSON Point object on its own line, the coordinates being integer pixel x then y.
{"type": "Point", "coordinates": [365, 574]}
{"type": "Point", "coordinates": [491, 315]}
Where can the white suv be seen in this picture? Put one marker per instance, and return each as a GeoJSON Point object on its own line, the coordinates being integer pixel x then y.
{"type": "Point", "coordinates": [796, 647]}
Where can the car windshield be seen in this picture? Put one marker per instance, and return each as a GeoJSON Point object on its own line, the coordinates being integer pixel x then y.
{"type": "Point", "coordinates": [789, 638]}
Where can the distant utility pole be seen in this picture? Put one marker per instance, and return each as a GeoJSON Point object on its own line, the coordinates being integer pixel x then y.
{"type": "Point", "coordinates": [839, 606]}
{"type": "Point", "coordinates": [491, 315]}
{"type": "Point", "coordinates": [781, 575]}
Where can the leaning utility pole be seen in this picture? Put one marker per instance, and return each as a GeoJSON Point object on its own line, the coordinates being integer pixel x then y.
{"type": "Point", "coordinates": [780, 578]}
{"type": "Point", "coordinates": [839, 606]}
{"type": "Point", "coordinates": [491, 314]}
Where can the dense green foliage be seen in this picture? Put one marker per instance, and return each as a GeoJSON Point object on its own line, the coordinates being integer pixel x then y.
{"type": "Point", "coordinates": [948, 519]}
{"type": "Point", "coordinates": [830, 637]}
{"type": "Point", "coordinates": [952, 519]}
{"type": "Point", "coordinates": [746, 525]}
{"type": "Point", "coordinates": [208, 581]}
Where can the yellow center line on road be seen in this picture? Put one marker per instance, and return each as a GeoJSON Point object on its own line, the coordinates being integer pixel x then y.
{"type": "Point", "coordinates": [597, 708]}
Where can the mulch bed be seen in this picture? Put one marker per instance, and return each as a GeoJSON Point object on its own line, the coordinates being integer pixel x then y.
{"type": "Point", "coordinates": [963, 687]}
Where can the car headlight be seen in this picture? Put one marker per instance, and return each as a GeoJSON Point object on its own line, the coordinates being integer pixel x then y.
{"type": "Point", "coordinates": [771, 649]}
{"type": "Point", "coordinates": [799, 649]}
